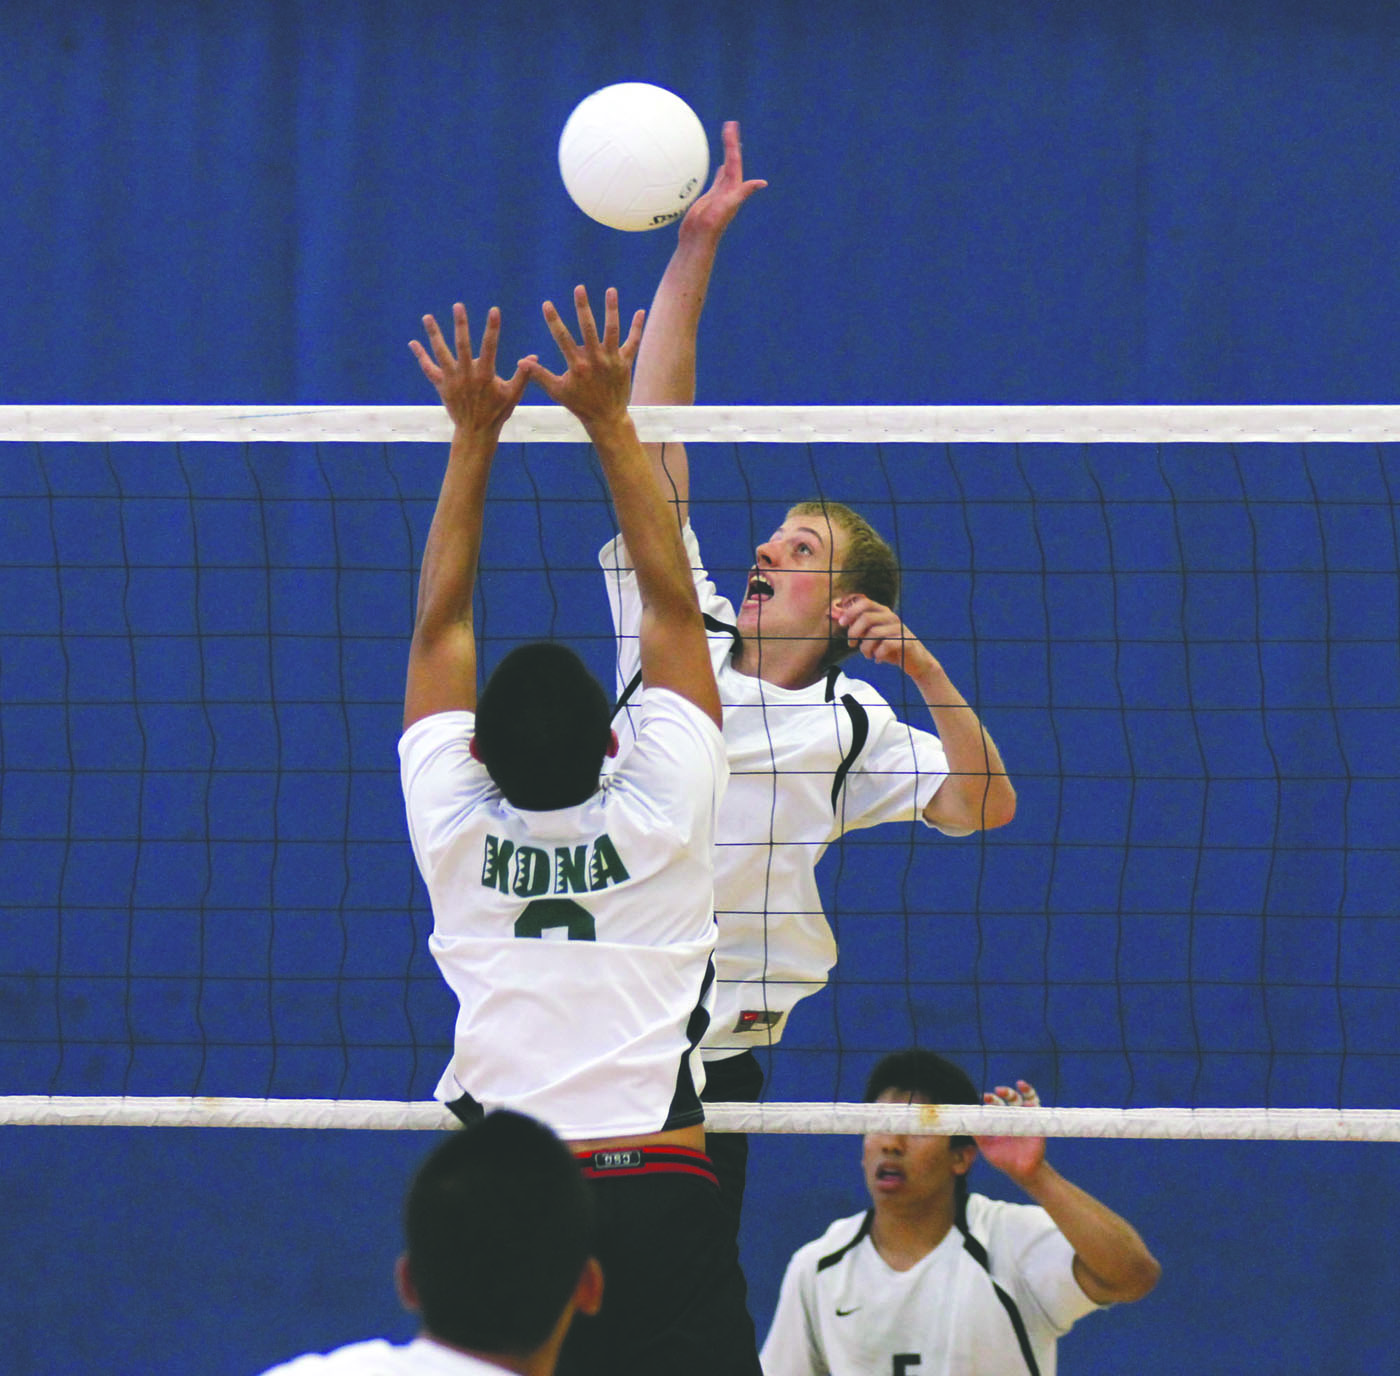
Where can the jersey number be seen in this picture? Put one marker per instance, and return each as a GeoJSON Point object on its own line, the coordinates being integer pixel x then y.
{"type": "Point", "coordinates": [545, 913]}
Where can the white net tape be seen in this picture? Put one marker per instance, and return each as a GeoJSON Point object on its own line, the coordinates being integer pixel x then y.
{"type": "Point", "coordinates": [722, 424]}
{"type": "Point", "coordinates": [1235, 1124]}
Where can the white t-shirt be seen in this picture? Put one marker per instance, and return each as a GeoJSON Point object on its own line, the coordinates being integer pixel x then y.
{"type": "Point", "coordinates": [578, 942]}
{"type": "Point", "coordinates": [421, 1357]}
{"type": "Point", "coordinates": [856, 1315]}
{"type": "Point", "coordinates": [785, 746]}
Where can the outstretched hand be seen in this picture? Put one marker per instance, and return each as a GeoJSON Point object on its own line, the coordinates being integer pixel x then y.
{"type": "Point", "coordinates": [477, 400]}
{"type": "Point", "coordinates": [713, 211]}
{"type": "Point", "coordinates": [1017, 1157]}
{"type": "Point", "coordinates": [597, 381]}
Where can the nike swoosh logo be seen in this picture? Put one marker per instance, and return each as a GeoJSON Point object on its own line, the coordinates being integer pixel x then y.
{"type": "Point", "coordinates": [841, 1313]}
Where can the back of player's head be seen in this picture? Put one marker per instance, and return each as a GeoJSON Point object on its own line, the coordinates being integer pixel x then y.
{"type": "Point", "coordinates": [543, 727]}
{"type": "Point", "coordinates": [868, 565]}
{"type": "Point", "coordinates": [499, 1226]}
{"type": "Point", "coordinates": [925, 1073]}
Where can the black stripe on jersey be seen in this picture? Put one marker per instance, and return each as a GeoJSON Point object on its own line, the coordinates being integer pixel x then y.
{"type": "Point", "coordinates": [860, 730]}
{"type": "Point", "coordinates": [978, 1253]}
{"type": "Point", "coordinates": [862, 1232]}
{"type": "Point", "coordinates": [711, 624]}
{"type": "Point", "coordinates": [860, 718]}
{"type": "Point", "coordinates": [686, 1109]}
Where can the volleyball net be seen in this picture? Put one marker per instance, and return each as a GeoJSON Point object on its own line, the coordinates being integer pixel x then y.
{"type": "Point", "coordinates": [1181, 625]}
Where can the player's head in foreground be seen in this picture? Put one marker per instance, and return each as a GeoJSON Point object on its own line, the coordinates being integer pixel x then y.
{"type": "Point", "coordinates": [543, 728]}
{"type": "Point", "coordinates": [912, 1170]}
{"type": "Point", "coordinates": [499, 1227]}
{"type": "Point", "coordinates": [823, 552]}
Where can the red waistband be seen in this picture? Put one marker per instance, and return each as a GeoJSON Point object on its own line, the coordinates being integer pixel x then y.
{"type": "Point", "coordinates": [614, 1162]}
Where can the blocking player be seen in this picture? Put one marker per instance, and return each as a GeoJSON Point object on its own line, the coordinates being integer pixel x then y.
{"type": "Point", "coordinates": [573, 918]}
{"type": "Point", "coordinates": [498, 1227]}
{"type": "Point", "coordinates": [812, 752]}
{"type": "Point", "coordinates": [935, 1281]}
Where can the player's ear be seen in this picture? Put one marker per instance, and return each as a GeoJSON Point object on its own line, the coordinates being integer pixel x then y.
{"type": "Point", "coordinates": [403, 1283]}
{"type": "Point", "coordinates": [613, 746]}
{"type": "Point", "coordinates": [471, 745]}
{"type": "Point", "coordinates": [963, 1157]}
{"type": "Point", "coordinates": [588, 1293]}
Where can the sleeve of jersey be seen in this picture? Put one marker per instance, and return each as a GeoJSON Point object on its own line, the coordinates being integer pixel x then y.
{"type": "Point", "coordinates": [1044, 1260]}
{"type": "Point", "coordinates": [440, 780]}
{"type": "Point", "coordinates": [679, 764]}
{"type": "Point", "coordinates": [625, 603]}
{"type": "Point", "coordinates": [793, 1346]}
{"type": "Point", "coordinates": [896, 776]}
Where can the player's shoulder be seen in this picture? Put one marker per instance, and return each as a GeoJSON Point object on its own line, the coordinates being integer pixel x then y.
{"type": "Point", "coordinates": [840, 1237]}
{"type": "Point", "coordinates": [373, 1357]}
{"type": "Point", "coordinates": [436, 730]}
{"type": "Point", "coordinates": [1004, 1225]}
{"type": "Point", "coordinates": [663, 710]}
{"type": "Point", "coordinates": [862, 690]}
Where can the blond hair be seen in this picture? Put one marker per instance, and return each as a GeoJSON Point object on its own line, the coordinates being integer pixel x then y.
{"type": "Point", "coordinates": [868, 564]}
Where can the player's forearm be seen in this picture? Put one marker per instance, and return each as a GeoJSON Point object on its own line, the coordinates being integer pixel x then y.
{"type": "Point", "coordinates": [977, 794]}
{"type": "Point", "coordinates": [654, 543]}
{"type": "Point", "coordinates": [448, 575]}
{"type": "Point", "coordinates": [665, 372]}
{"type": "Point", "coordinates": [1120, 1265]}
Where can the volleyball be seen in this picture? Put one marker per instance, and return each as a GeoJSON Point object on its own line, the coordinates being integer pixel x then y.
{"type": "Point", "coordinates": [633, 156]}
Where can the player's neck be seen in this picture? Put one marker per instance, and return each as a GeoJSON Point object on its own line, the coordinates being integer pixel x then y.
{"type": "Point", "coordinates": [784, 663]}
{"type": "Point", "coordinates": [904, 1237]}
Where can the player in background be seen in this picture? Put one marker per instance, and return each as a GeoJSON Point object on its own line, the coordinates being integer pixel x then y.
{"type": "Point", "coordinates": [812, 753]}
{"type": "Point", "coordinates": [935, 1281]}
{"type": "Point", "coordinates": [572, 916]}
{"type": "Point", "coordinates": [498, 1227]}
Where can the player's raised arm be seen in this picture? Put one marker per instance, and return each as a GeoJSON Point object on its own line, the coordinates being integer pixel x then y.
{"type": "Point", "coordinates": [666, 362]}
{"type": "Point", "coordinates": [977, 794]}
{"type": "Point", "coordinates": [442, 656]}
{"type": "Point", "coordinates": [595, 386]}
{"type": "Point", "coordinates": [1111, 1261]}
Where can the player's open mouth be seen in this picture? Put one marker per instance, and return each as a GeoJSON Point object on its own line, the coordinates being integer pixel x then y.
{"type": "Point", "coordinates": [889, 1173]}
{"type": "Point", "coordinates": [760, 589]}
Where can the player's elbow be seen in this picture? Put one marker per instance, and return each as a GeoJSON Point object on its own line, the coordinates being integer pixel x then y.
{"type": "Point", "coordinates": [990, 805]}
{"type": "Point", "coordinates": [998, 804]}
{"type": "Point", "coordinates": [1134, 1280]}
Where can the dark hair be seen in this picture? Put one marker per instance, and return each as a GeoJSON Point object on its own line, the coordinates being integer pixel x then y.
{"type": "Point", "coordinates": [868, 565]}
{"type": "Point", "coordinates": [499, 1225]}
{"type": "Point", "coordinates": [542, 727]}
{"type": "Point", "coordinates": [917, 1071]}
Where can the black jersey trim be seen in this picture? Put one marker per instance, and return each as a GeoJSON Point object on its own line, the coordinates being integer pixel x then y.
{"type": "Point", "coordinates": [978, 1253]}
{"type": "Point", "coordinates": [860, 718]}
{"type": "Point", "coordinates": [686, 1110]}
{"type": "Point", "coordinates": [860, 732]}
{"type": "Point", "coordinates": [712, 624]}
{"type": "Point", "coordinates": [862, 1232]}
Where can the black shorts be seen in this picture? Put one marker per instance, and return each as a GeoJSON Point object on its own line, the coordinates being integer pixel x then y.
{"type": "Point", "coordinates": [733, 1080]}
{"type": "Point", "coordinates": [674, 1298]}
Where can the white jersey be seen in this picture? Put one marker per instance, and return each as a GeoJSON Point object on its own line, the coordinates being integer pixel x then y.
{"type": "Point", "coordinates": [421, 1357]}
{"type": "Point", "coordinates": [786, 748]}
{"type": "Point", "coordinates": [578, 942]}
{"type": "Point", "coordinates": [843, 1310]}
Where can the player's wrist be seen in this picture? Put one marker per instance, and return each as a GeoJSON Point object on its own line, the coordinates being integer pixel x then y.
{"type": "Point", "coordinates": [612, 429]}
{"type": "Point", "coordinates": [924, 668]}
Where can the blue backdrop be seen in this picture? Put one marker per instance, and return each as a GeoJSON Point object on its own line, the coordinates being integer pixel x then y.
{"type": "Point", "coordinates": [1093, 202]}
